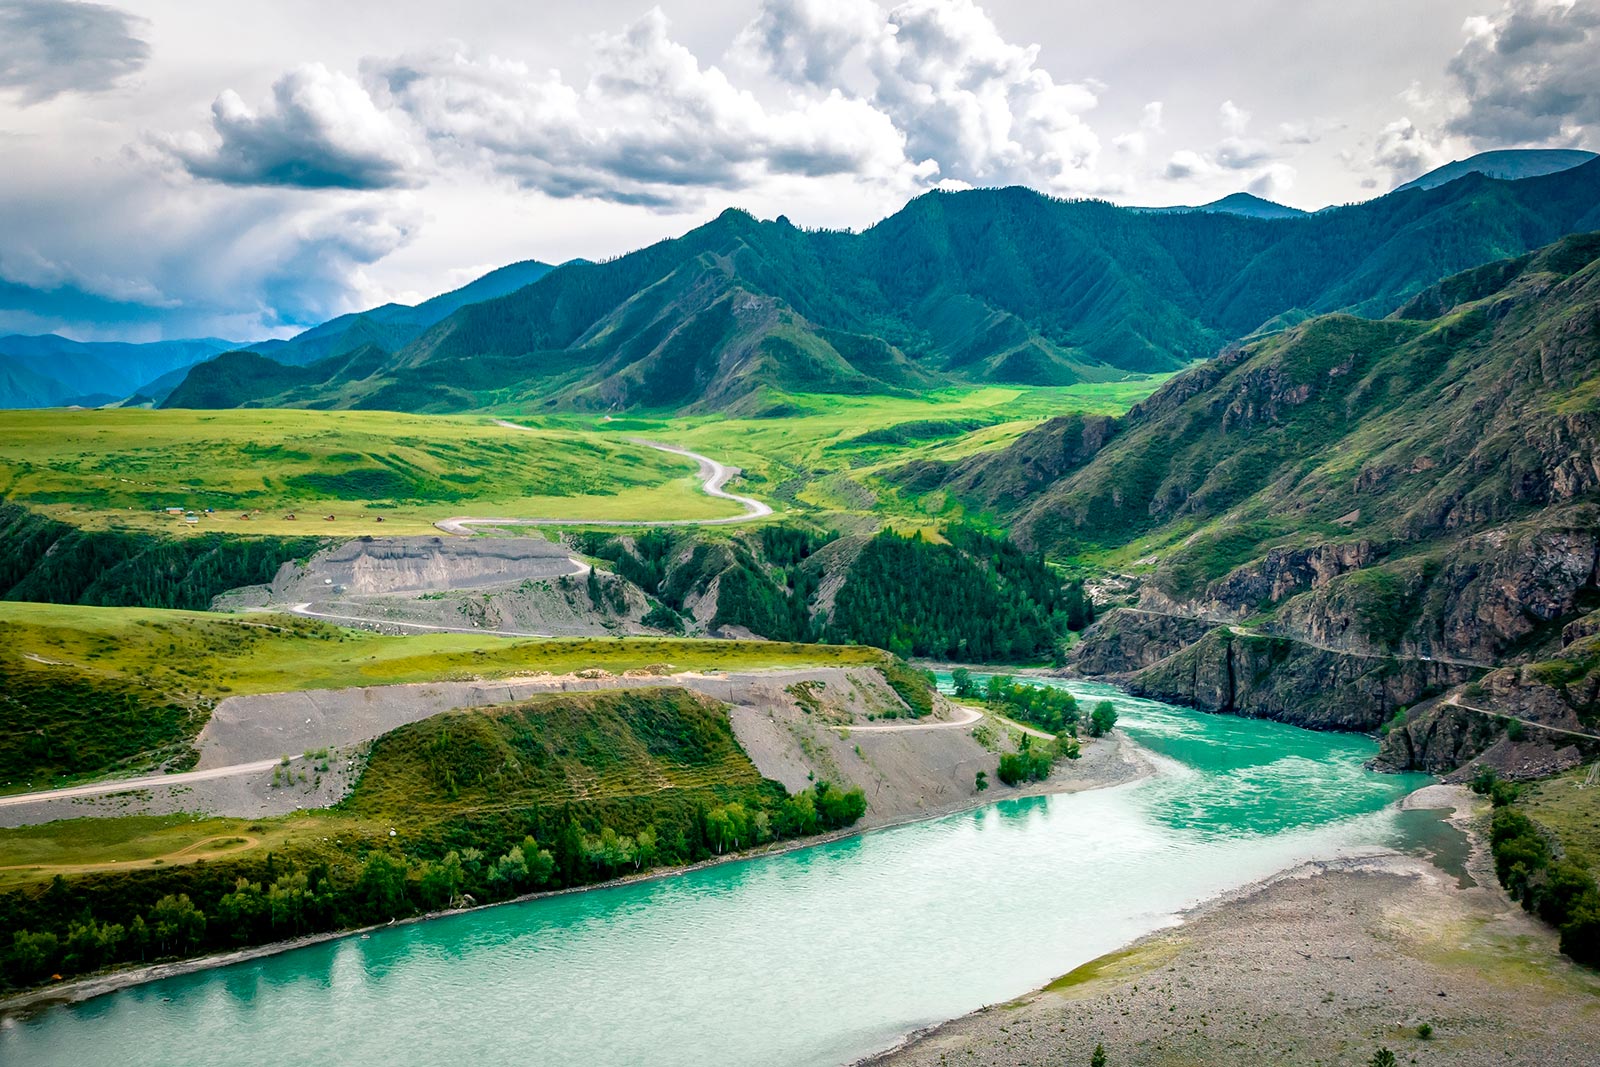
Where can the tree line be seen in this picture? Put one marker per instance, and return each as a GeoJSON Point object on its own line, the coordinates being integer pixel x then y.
{"type": "Point", "coordinates": [1561, 892]}
{"type": "Point", "coordinates": [974, 598]}
{"type": "Point", "coordinates": [55, 563]}
{"type": "Point", "coordinates": [78, 926]}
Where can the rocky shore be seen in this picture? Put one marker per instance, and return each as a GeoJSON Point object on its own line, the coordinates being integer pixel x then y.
{"type": "Point", "coordinates": [1321, 965]}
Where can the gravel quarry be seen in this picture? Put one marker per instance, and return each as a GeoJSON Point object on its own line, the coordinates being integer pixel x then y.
{"type": "Point", "coordinates": [511, 586]}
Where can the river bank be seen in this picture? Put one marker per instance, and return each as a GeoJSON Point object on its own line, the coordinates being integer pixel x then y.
{"type": "Point", "coordinates": [1108, 762]}
{"type": "Point", "coordinates": [1321, 964]}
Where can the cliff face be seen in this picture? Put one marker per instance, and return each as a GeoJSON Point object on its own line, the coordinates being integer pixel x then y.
{"type": "Point", "coordinates": [1349, 518]}
{"type": "Point", "coordinates": [1128, 639]}
{"type": "Point", "coordinates": [1263, 676]}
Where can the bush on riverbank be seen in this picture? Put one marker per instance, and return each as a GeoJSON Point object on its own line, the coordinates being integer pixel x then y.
{"type": "Point", "coordinates": [1560, 891]}
{"type": "Point", "coordinates": [553, 793]}
{"type": "Point", "coordinates": [1047, 707]}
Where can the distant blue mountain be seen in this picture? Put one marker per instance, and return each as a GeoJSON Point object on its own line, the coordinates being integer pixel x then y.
{"type": "Point", "coordinates": [1507, 164]}
{"type": "Point", "coordinates": [393, 326]}
{"type": "Point", "coordinates": [48, 370]}
{"type": "Point", "coordinates": [1245, 204]}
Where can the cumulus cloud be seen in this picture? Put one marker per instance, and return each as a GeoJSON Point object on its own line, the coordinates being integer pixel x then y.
{"type": "Point", "coordinates": [1137, 142]}
{"type": "Point", "coordinates": [1235, 151]}
{"type": "Point", "coordinates": [811, 42]}
{"type": "Point", "coordinates": [274, 260]}
{"type": "Point", "coordinates": [971, 106]}
{"type": "Point", "coordinates": [1273, 181]}
{"type": "Point", "coordinates": [923, 94]}
{"type": "Point", "coordinates": [1406, 151]}
{"type": "Point", "coordinates": [1186, 163]}
{"type": "Point", "coordinates": [650, 126]}
{"type": "Point", "coordinates": [319, 130]}
{"type": "Point", "coordinates": [51, 47]}
{"type": "Point", "coordinates": [1530, 73]}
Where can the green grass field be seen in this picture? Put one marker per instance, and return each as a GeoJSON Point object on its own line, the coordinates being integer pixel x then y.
{"type": "Point", "coordinates": [211, 654]}
{"type": "Point", "coordinates": [121, 467]}
{"type": "Point", "coordinates": [1569, 807]}
{"type": "Point", "coordinates": [391, 473]}
{"type": "Point", "coordinates": [806, 457]}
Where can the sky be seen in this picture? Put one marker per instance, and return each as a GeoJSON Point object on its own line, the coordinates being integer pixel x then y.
{"type": "Point", "coordinates": [173, 169]}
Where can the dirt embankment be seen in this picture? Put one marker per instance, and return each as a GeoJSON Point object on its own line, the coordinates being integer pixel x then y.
{"type": "Point", "coordinates": [907, 768]}
{"type": "Point", "coordinates": [797, 726]}
{"type": "Point", "coordinates": [515, 585]}
{"type": "Point", "coordinates": [1321, 965]}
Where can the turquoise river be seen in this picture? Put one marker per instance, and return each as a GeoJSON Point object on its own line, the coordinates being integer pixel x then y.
{"type": "Point", "coordinates": [817, 956]}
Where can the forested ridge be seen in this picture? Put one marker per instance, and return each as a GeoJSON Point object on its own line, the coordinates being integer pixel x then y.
{"type": "Point", "coordinates": [970, 596]}
{"type": "Point", "coordinates": [986, 285]}
{"type": "Point", "coordinates": [55, 563]}
{"type": "Point", "coordinates": [974, 598]}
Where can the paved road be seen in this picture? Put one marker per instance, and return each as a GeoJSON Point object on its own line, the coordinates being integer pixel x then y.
{"type": "Point", "coordinates": [120, 785]}
{"type": "Point", "coordinates": [713, 477]}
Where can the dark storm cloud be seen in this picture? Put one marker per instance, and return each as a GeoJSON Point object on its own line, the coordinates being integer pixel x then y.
{"type": "Point", "coordinates": [319, 130]}
{"type": "Point", "coordinates": [50, 47]}
{"type": "Point", "coordinates": [1530, 74]}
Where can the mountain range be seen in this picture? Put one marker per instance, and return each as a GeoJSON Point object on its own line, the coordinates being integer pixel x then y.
{"type": "Point", "coordinates": [1349, 517]}
{"type": "Point", "coordinates": [50, 371]}
{"type": "Point", "coordinates": [993, 285]}
{"type": "Point", "coordinates": [1507, 164]}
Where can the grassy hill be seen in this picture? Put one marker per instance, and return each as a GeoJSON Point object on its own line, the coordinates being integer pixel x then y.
{"type": "Point", "coordinates": [1473, 404]}
{"type": "Point", "coordinates": [462, 808]}
{"type": "Point", "coordinates": [998, 285]}
{"type": "Point", "coordinates": [89, 689]}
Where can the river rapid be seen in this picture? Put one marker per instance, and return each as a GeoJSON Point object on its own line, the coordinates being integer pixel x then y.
{"type": "Point", "coordinates": [814, 957]}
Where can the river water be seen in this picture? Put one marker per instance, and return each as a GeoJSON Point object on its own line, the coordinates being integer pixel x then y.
{"type": "Point", "coordinates": [814, 957]}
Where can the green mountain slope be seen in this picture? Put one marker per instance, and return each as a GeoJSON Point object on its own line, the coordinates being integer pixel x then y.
{"type": "Point", "coordinates": [1000, 285]}
{"type": "Point", "coordinates": [392, 326]}
{"type": "Point", "coordinates": [1399, 504]}
{"type": "Point", "coordinates": [1245, 204]}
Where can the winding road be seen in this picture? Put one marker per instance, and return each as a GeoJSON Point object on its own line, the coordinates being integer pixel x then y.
{"type": "Point", "coordinates": [713, 476]}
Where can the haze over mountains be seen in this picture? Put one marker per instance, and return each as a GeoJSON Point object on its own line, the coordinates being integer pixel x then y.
{"type": "Point", "coordinates": [996, 285]}
{"type": "Point", "coordinates": [47, 371]}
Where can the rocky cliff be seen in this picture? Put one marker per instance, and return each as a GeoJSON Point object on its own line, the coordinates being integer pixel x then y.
{"type": "Point", "coordinates": [1270, 677]}
{"type": "Point", "coordinates": [1351, 519]}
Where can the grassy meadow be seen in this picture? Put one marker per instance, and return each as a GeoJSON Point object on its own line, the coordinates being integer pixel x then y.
{"type": "Point", "coordinates": [820, 453]}
{"type": "Point", "coordinates": [375, 472]}
{"type": "Point", "coordinates": [211, 654]}
{"type": "Point", "coordinates": [391, 473]}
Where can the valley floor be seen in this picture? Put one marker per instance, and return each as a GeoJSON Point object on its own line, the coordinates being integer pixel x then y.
{"type": "Point", "coordinates": [1320, 965]}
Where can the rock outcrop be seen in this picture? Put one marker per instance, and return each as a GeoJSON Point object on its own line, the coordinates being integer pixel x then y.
{"type": "Point", "coordinates": [1269, 677]}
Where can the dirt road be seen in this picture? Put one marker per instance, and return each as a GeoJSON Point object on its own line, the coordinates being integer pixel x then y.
{"type": "Point", "coordinates": [121, 785]}
{"type": "Point", "coordinates": [972, 715]}
{"type": "Point", "coordinates": [713, 476]}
